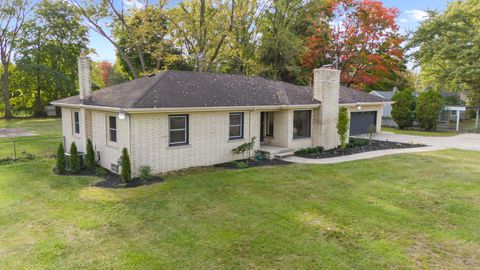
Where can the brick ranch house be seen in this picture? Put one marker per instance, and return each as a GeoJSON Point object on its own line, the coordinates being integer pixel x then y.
{"type": "Point", "coordinates": [173, 120]}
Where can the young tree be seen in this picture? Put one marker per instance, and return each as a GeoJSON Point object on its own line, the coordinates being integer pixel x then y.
{"type": "Point", "coordinates": [12, 18]}
{"type": "Point", "coordinates": [429, 106]}
{"type": "Point", "coordinates": [90, 157]}
{"type": "Point", "coordinates": [74, 159]}
{"type": "Point", "coordinates": [60, 159]}
{"type": "Point", "coordinates": [126, 168]}
{"type": "Point", "coordinates": [342, 126]}
{"type": "Point", "coordinates": [403, 110]}
{"type": "Point", "coordinates": [363, 41]}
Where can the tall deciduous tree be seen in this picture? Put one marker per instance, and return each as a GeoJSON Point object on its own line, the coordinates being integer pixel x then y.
{"type": "Point", "coordinates": [283, 28]}
{"type": "Point", "coordinates": [12, 18]}
{"type": "Point", "coordinates": [47, 52]}
{"type": "Point", "coordinates": [447, 48]}
{"type": "Point", "coordinates": [362, 41]}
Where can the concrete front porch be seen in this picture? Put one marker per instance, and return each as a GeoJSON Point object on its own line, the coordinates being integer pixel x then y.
{"type": "Point", "coordinates": [274, 151]}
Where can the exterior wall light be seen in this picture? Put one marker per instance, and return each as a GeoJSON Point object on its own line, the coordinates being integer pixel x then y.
{"type": "Point", "coordinates": [359, 107]}
{"type": "Point", "coordinates": [122, 114]}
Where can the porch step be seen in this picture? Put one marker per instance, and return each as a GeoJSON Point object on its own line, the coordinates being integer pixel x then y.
{"type": "Point", "coordinates": [272, 151]}
{"type": "Point", "coordinates": [284, 154]}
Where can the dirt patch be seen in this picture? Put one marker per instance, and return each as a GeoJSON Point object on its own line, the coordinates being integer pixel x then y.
{"type": "Point", "coordinates": [15, 132]}
{"type": "Point", "coordinates": [242, 164]}
{"type": "Point", "coordinates": [357, 146]}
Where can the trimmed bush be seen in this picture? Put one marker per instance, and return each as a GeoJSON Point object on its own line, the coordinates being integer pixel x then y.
{"type": "Point", "coordinates": [126, 172]}
{"type": "Point", "coordinates": [90, 157]}
{"type": "Point", "coordinates": [403, 110]}
{"type": "Point", "coordinates": [357, 142]}
{"type": "Point", "coordinates": [145, 173]}
{"type": "Point", "coordinates": [310, 150]}
{"type": "Point", "coordinates": [74, 159]}
{"type": "Point", "coordinates": [429, 106]}
{"type": "Point", "coordinates": [241, 165]}
{"type": "Point", "coordinates": [342, 126]}
{"type": "Point", "coordinates": [60, 160]}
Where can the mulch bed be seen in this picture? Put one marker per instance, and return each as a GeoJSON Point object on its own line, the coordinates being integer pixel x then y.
{"type": "Point", "coordinates": [252, 163]}
{"type": "Point", "coordinates": [374, 145]}
{"type": "Point", "coordinates": [111, 180]}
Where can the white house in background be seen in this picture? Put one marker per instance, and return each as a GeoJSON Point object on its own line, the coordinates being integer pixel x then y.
{"type": "Point", "coordinates": [176, 119]}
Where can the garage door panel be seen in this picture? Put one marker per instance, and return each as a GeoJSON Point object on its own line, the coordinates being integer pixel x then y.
{"type": "Point", "coordinates": [361, 121]}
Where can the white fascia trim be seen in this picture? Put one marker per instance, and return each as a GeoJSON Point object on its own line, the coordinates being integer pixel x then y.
{"type": "Point", "coordinates": [190, 109]}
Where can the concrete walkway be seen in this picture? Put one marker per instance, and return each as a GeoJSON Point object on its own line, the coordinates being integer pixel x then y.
{"type": "Point", "coordinates": [463, 141]}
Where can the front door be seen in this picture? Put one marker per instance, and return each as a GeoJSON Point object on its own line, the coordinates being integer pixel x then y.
{"type": "Point", "coordinates": [266, 125]}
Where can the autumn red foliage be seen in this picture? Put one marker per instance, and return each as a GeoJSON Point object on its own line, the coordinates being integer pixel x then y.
{"type": "Point", "coordinates": [361, 39]}
{"type": "Point", "coordinates": [105, 68]}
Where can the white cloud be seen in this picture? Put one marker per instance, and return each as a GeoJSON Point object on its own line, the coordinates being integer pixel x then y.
{"type": "Point", "coordinates": [417, 15]}
{"type": "Point", "coordinates": [134, 4]}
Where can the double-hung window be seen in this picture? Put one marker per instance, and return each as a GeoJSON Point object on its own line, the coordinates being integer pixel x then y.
{"type": "Point", "coordinates": [301, 124]}
{"type": "Point", "coordinates": [178, 130]}
{"type": "Point", "coordinates": [112, 129]}
{"type": "Point", "coordinates": [236, 126]}
{"type": "Point", "coordinates": [76, 122]}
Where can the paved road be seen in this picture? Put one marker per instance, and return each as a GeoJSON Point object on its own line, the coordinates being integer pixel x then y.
{"type": "Point", "coordinates": [468, 141]}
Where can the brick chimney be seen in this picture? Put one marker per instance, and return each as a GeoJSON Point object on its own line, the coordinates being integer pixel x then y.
{"type": "Point", "coordinates": [326, 87]}
{"type": "Point", "coordinates": [85, 85]}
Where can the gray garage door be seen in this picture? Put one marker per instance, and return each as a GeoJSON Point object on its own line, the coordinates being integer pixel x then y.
{"type": "Point", "coordinates": [360, 121]}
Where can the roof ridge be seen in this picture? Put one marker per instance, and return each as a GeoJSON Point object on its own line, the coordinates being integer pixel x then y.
{"type": "Point", "coordinates": [160, 75]}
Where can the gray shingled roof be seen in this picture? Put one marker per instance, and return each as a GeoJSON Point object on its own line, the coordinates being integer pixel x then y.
{"type": "Point", "coordinates": [173, 89]}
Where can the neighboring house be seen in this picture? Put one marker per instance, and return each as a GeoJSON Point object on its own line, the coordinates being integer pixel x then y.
{"type": "Point", "coordinates": [388, 95]}
{"type": "Point", "coordinates": [173, 120]}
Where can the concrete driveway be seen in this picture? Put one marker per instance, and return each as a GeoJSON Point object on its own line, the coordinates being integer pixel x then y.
{"type": "Point", "coordinates": [468, 141]}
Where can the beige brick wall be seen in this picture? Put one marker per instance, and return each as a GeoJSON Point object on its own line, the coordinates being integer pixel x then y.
{"type": "Point", "coordinates": [208, 140]}
{"type": "Point", "coordinates": [110, 152]}
{"type": "Point", "coordinates": [67, 128]}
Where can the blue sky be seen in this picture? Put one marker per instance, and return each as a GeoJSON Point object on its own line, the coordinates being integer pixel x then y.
{"type": "Point", "coordinates": [411, 13]}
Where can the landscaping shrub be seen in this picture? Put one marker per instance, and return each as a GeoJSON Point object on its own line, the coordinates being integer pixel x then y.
{"type": "Point", "coordinates": [126, 172]}
{"type": "Point", "coordinates": [100, 171]}
{"type": "Point", "coordinates": [372, 130]}
{"type": "Point", "coordinates": [429, 105]}
{"type": "Point", "coordinates": [60, 159]}
{"type": "Point", "coordinates": [74, 159]}
{"type": "Point", "coordinates": [342, 126]}
{"type": "Point", "coordinates": [146, 173]}
{"type": "Point", "coordinates": [310, 150]}
{"type": "Point", "coordinates": [241, 165]}
{"type": "Point", "coordinates": [357, 142]}
{"type": "Point", "coordinates": [403, 110]}
{"type": "Point", "coordinates": [90, 157]}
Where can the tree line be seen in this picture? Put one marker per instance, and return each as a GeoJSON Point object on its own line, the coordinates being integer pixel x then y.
{"type": "Point", "coordinates": [277, 39]}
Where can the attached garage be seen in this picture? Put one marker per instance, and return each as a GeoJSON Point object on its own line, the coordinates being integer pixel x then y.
{"type": "Point", "coordinates": [361, 121]}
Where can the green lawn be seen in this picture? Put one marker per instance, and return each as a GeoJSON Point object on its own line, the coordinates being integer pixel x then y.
{"type": "Point", "coordinates": [48, 129]}
{"type": "Point", "coordinates": [420, 133]}
{"type": "Point", "coordinates": [398, 212]}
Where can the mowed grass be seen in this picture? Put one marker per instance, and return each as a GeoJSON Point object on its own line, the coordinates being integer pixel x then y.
{"type": "Point", "coordinates": [399, 212]}
{"type": "Point", "coordinates": [48, 135]}
{"type": "Point", "coordinates": [420, 132]}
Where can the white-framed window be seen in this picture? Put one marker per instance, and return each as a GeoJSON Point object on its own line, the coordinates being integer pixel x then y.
{"type": "Point", "coordinates": [178, 129]}
{"type": "Point", "coordinates": [236, 126]}
{"type": "Point", "coordinates": [76, 122]}
{"type": "Point", "coordinates": [112, 129]}
{"type": "Point", "coordinates": [302, 124]}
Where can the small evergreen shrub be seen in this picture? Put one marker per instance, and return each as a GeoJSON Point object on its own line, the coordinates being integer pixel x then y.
{"type": "Point", "coordinates": [429, 105]}
{"type": "Point", "coordinates": [74, 159]}
{"type": "Point", "coordinates": [310, 150]}
{"type": "Point", "coordinates": [403, 110]}
{"type": "Point", "coordinates": [90, 157]}
{"type": "Point", "coordinates": [357, 142]}
{"type": "Point", "coordinates": [342, 126]}
{"type": "Point", "coordinates": [100, 171]}
{"type": "Point", "coordinates": [60, 160]}
{"type": "Point", "coordinates": [145, 173]}
{"type": "Point", "coordinates": [241, 165]}
{"type": "Point", "coordinates": [126, 172]}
